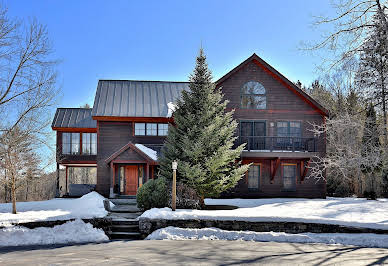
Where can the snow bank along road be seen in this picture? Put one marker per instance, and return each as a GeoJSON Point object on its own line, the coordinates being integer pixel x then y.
{"type": "Point", "coordinates": [197, 252]}
{"type": "Point", "coordinates": [343, 211]}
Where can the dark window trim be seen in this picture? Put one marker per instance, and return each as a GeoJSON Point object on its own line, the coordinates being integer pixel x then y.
{"type": "Point", "coordinates": [258, 189]}
{"type": "Point", "coordinates": [71, 143]}
{"type": "Point", "coordinates": [289, 127]}
{"type": "Point", "coordinates": [252, 121]}
{"type": "Point", "coordinates": [295, 177]}
{"type": "Point", "coordinates": [253, 94]}
{"type": "Point", "coordinates": [145, 129]}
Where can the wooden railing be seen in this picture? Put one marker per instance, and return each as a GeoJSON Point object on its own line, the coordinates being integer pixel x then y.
{"type": "Point", "coordinates": [266, 143]}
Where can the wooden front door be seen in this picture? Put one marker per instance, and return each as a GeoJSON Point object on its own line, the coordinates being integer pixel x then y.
{"type": "Point", "coordinates": [131, 179]}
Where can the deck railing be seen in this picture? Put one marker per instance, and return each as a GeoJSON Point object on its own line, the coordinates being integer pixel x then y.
{"type": "Point", "coordinates": [270, 143]}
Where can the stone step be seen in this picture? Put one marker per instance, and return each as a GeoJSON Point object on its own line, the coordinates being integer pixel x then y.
{"type": "Point", "coordinates": [125, 228]}
{"type": "Point", "coordinates": [125, 208]}
{"type": "Point", "coordinates": [125, 222]}
{"type": "Point", "coordinates": [124, 201]}
{"type": "Point", "coordinates": [125, 235]}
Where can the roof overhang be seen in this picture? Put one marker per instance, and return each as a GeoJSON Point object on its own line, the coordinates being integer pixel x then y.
{"type": "Point", "coordinates": [134, 119]}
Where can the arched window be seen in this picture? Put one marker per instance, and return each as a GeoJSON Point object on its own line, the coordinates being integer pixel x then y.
{"type": "Point", "coordinates": [253, 96]}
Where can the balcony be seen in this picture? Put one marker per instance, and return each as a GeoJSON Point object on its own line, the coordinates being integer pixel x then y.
{"type": "Point", "coordinates": [262, 145]}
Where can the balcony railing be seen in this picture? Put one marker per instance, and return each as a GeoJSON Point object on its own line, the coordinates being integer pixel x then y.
{"type": "Point", "coordinates": [265, 143]}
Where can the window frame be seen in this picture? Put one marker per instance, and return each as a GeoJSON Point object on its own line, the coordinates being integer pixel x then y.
{"type": "Point", "coordinates": [70, 143]}
{"type": "Point", "coordinates": [258, 178]}
{"type": "Point", "coordinates": [145, 129]}
{"type": "Point", "coordinates": [244, 94]}
{"type": "Point", "coordinates": [293, 189]}
{"type": "Point", "coordinates": [90, 144]}
{"type": "Point", "coordinates": [289, 128]}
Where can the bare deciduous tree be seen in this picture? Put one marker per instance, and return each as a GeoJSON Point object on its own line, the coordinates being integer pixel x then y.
{"type": "Point", "coordinates": [27, 93]}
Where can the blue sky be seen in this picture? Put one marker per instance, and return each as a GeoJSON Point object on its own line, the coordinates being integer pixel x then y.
{"type": "Point", "coordinates": [158, 40]}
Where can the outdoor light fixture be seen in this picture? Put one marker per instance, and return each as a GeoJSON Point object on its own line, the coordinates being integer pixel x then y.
{"type": "Point", "coordinates": [173, 200]}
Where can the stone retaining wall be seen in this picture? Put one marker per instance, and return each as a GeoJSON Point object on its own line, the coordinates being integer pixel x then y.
{"type": "Point", "coordinates": [147, 226]}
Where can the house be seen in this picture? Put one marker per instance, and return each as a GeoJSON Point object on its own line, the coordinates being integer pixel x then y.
{"type": "Point", "coordinates": [117, 142]}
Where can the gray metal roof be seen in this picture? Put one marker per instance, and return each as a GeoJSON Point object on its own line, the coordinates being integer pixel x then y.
{"type": "Point", "coordinates": [74, 118]}
{"type": "Point", "coordinates": [132, 98]}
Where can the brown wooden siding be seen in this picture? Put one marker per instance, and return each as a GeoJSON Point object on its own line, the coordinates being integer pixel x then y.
{"type": "Point", "coordinates": [111, 137]}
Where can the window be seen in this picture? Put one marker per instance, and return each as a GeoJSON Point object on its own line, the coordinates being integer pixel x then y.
{"type": "Point", "coordinates": [254, 177]}
{"type": "Point", "coordinates": [253, 133]}
{"type": "Point", "coordinates": [151, 129]}
{"type": "Point", "coordinates": [253, 96]}
{"type": "Point", "coordinates": [140, 129]}
{"type": "Point", "coordinates": [289, 129]}
{"type": "Point", "coordinates": [290, 134]}
{"type": "Point", "coordinates": [89, 143]}
{"type": "Point", "coordinates": [162, 129]}
{"type": "Point", "coordinates": [70, 143]}
{"type": "Point", "coordinates": [289, 177]}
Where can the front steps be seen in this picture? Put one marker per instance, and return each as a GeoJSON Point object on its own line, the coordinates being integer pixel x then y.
{"type": "Point", "coordinates": [124, 225]}
{"type": "Point", "coordinates": [124, 229]}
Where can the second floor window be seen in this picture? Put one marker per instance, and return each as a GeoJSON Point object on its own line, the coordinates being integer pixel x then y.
{"type": "Point", "coordinates": [253, 96]}
{"type": "Point", "coordinates": [151, 129]}
{"type": "Point", "coordinates": [89, 143]}
{"type": "Point", "coordinates": [70, 143]}
{"type": "Point", "coordinates": [289, 129]}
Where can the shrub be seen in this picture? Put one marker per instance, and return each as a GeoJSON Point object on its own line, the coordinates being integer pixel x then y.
{"type": "Point", "coordinates": [153, 194]}
{"type": "Point", "coordinates": [370, 195]}
{"type": "Point", "coordinates": [186, 197]}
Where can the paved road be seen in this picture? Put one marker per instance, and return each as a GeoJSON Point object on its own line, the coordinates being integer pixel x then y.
{"type": "Point", "coordinates": [193, 253]}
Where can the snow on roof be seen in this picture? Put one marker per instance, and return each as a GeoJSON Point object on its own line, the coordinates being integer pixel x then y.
{"type": "Point", "coordinates": [171, 109]}
{"type": "Point", "coordinates": [149, 152]}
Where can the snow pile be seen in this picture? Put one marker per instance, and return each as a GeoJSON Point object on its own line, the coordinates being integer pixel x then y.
{"type": "Point", "coordinates": [171, 109]}
{"type": "Point", "coordinates": [149, 152]}
{"type": "Point", "coordinates": [364, 240]}
{"type": "Point", "coordinates": [343, 211]}
{"type": "Point", "coordinates": [88, 206]}
{"type": "Point", "coordinates": [71, 232]}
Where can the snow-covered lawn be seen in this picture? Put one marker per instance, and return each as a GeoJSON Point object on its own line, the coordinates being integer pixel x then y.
{"type": "Point", "coordinates": [88, 206]}
{"type": "Point", "coordinates": [71, 232]}
{"type": "Point", "coordinates": [343, 211]}
{"type": "Point", "coordinates": [174, 233]}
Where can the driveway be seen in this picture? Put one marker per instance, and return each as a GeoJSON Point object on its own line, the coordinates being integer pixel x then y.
{"type": "Point", "coordinates": [189, 252]}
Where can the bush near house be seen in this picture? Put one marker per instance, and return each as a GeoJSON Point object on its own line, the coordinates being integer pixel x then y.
{"type": "Point", "coordinates": [153, 194]}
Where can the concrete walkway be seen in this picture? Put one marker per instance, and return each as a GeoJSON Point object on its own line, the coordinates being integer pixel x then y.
{"type": "Point", "coordinates": [194, 253]}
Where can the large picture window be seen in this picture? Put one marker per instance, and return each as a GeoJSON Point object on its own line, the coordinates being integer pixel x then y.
{"type": "Point", "coordinates": [151, 129]}
{"type": "Point", "coordinates": [253, 96]}
{"type": "Point", "coordinates": [70, 143]}
{"type": "Point", "coordinates": [89, 143]}
{"type": "Point", "coordinates": [254, 177]}
{"type": "Point", "coordinates": [289, 177]}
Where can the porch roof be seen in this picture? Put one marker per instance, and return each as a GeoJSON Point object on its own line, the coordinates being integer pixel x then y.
{"type": "Point", "coordinates": [133, 147]}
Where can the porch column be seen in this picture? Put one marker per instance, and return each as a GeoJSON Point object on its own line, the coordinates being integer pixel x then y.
{"type": "Point", "coordinates": [66, 190]}
{"type": "Point", "coordinates": [147, 171]}
{"type": "Point", "coordinates": [112, 173]}
{"type": "Point", "coordinates": [57, 188]}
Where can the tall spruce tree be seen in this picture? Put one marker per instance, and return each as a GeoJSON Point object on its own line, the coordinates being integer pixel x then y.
{"type": "Point", "coordinates": [202, 138]}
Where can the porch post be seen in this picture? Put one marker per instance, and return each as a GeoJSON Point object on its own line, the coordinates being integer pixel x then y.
{"type": "Point", "coordinates": [66, 191]}
{"type": "Point", "coordinates": [147, 171]}
{"type": "Point", "coordinates": [57, 185]}
{"type": "Point", "coordinates": [111, 194]}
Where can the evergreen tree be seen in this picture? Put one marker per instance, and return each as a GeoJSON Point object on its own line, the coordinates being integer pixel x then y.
{"type": "Point", "coordinates": [373, 68]}
{"type": "Point", "coordinates": [370, 147]}
{"type": "Point", "coordinates": [203, 137]}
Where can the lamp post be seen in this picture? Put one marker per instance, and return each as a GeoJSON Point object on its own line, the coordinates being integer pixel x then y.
{"type": "Point", "coordinates": [173, 201]}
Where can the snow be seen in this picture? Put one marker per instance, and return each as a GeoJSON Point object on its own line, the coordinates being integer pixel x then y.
{"type": "Point", "coordinates": [171, 109]}
{"type": "Point", "coordinates": [149, 152]}
{"type": "Point", "coordinates": [71, 232]}
{"type": "Point", "coordinates": [342, 211]}
{"type": "Point", "coordinates": [364, 240]}
{"type": "Point", "coordinates": [88, 206]}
